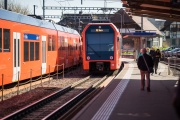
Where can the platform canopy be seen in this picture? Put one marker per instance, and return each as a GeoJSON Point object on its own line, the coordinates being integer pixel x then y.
{"type": "Point", "coordinates": [148, 29]}
{"type": "Point", "coordinates": [160, 9]}
{"type": "Point", "coordinates": [137, 34]}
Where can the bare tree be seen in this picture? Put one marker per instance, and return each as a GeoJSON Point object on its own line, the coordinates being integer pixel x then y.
{"type": "Point", "coordinates": [15, 7]}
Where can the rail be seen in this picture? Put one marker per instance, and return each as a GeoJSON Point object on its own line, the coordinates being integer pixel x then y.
{"type": "Point", "coordinates": [56, 96]}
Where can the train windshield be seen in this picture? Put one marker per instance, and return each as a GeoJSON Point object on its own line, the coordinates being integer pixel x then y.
{"type": "Point", "coordinates": [100, 42]}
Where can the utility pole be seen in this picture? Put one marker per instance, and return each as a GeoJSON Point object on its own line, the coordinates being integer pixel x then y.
{"type": "Point", "coordinates": [34, 9]}
{"type": "Point", "coordinates": [44, 9]}
{"type": "Point", "coordinates": [5, 4]}
{"type": "Point", "coordinates": [141, 23]}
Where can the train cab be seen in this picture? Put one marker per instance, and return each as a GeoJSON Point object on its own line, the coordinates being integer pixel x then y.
{"type": "Point", "coordinates": [101, 47]}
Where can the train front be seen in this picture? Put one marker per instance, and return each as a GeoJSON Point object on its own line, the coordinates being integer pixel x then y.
{"type": "Point", "coordinates": [101, 47]}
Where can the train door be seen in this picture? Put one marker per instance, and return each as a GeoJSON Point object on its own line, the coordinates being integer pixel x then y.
{"type": "Point", "coordinates": [43, 54]}
{"type": "Point", "coordinates": [16, 56]}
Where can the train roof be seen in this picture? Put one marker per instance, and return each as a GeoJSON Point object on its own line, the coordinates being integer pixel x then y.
{"type": "Point", "coordinates": [100, 23]}
{"type": "Point", "coordinates": [16, 17]}
{"type": "Point", "coordinates": [103, 24]}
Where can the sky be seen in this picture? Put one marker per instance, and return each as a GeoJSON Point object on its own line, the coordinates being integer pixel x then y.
{"type": "Point", "coordinates": [67, 3]}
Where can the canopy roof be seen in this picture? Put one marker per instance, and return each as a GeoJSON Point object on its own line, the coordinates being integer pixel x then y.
{"type": "Point", "coordinates": [147, 25]}
{"type": "Point", "coordinates": [160, 9]}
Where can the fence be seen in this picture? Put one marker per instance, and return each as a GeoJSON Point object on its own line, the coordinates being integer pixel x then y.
{"type": "Point", "coordinates": [46, 77]}
{"type": "Point", "coordinates": [173, 65]}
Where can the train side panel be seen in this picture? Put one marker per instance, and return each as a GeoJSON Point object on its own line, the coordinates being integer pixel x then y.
{"type": "Point", "coordinates": [68, 49]}
{"type": "Point", "coordinates": [51, 51]}
{"type": "Point", "coordinates": [62, 54]}
{"type": "Point", "coordinates": [6, 52]}
{"type": "Point", "coordinates": [29, 51]}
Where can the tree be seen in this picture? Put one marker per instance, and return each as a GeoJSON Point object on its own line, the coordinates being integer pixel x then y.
{"type": "Point", "coordinates": [15, 7]}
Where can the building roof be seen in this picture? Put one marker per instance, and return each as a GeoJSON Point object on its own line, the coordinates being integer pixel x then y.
{"type": "Point", "coordinates": [147, 25]}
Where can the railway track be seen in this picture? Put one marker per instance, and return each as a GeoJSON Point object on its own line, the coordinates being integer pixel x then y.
{"type": "Point", "coordinates": [48, 81]}
{"type": "Point", "coordinates": [58, 103]}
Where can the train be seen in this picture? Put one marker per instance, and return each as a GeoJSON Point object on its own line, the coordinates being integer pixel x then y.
{"type": "Point", "coordinates": [31, 47]}
{"type": "Point", "coordinates": [101, 47]}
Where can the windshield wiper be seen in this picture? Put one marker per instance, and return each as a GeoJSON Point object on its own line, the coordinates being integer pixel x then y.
{"type": "Point", "coordinates": [94, 51]}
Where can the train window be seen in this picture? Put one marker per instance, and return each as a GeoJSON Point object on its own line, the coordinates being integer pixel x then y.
{"type": "Point", "coordinates": [37, 51]}
{"type": "Point", "coordinates": [31, 47]}
{"type": "Point", "coordinates": [53, 43]}
{"type": "Point", "coordinates": [6, 40]}
{"type": "Point", "coordinates": [59, 43]}
{"type": "Point", "coordinates": [26, 51]}
{"type": "Point", "coordinates": [62, 43]}
{"type": "Point", "coordinates": [31, 51]}
{"type": "Point", "coordinates": [0, 39]}
{"type": "Point", "coordinates": [49, 43]}
{"type": "Point", "coordinates": [106, 43]}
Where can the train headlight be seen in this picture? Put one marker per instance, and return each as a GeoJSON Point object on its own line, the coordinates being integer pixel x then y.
{"type": "Point", "coordinates": [111, 57]}
{"type": "Point", "coordinates": [88, 58]}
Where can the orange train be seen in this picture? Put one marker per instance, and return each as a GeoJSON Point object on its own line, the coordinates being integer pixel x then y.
{"type": "Point", "coordinates": [31, 47]}
{"type": "Point", "coordinates": [101, 47]}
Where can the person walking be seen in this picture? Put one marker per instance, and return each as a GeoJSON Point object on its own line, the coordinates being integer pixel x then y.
{"type": "Point", "coordinates": [152, 54]}
{"type": "Point", "coordinates": [144, 63]}
{"type": "Point", "coordinates": [157, 57]}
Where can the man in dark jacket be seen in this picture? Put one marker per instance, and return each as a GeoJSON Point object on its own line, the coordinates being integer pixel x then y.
{"type": "Point", "coordinates": [144, 63]}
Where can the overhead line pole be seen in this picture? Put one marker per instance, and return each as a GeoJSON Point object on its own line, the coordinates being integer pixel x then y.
{"type": "Point", "coordinates": [34, 9]}
{"type": "Point", "coordinates": [5, 4]}
{"type": "Point", "coordinates": [43, 8]}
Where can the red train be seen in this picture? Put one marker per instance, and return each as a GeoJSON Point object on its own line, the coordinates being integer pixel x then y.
{"type": "Point", "coordinates": [28, 44]}
{"type": "Point", "coordinates": [101, 47]}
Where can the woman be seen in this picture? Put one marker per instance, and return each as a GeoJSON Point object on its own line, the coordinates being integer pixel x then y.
{"type": "Point", "coordinates": [157, 57]}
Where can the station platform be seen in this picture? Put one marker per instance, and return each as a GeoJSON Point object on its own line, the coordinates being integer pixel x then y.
{"type": "Point", "coordinates": [122, 99]}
